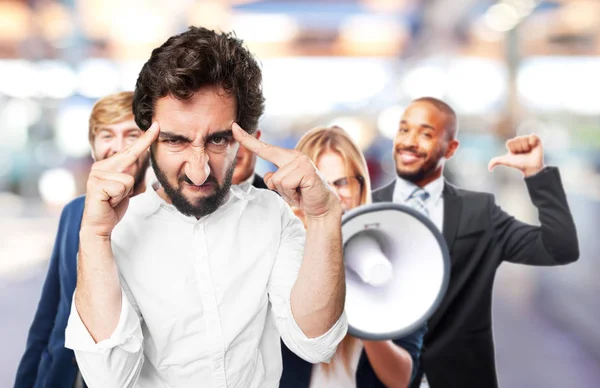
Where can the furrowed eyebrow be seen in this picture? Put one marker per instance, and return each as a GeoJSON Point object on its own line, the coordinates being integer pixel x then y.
{"type": "Point", "coordinates": [173, 136]}
{"type": "Point", "coordinates": [226, 133]}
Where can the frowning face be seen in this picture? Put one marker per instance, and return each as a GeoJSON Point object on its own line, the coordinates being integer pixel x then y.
{"type": "Point", "coordinates": [194, 156]}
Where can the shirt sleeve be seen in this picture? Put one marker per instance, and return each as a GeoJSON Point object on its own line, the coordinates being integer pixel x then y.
{"type": "Point", "coordinates": [114, 362]}
{"type": "Point", "coordinates": [555, 241]}
{"type": "Point", "coordinates": [282, 279]}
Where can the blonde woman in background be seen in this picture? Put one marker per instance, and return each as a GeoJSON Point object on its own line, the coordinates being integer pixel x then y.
{"type": "Point", "coordinates": [357, 363]}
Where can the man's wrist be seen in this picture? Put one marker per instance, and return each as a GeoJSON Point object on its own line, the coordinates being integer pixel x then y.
{"type": "Point", "coordinates": [89, 235]}
{"type": "Point", "coordinates": [333, 214]}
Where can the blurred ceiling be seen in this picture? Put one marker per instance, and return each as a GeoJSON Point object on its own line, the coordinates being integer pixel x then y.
{"type": "Point", "coordinates": [75, 29]}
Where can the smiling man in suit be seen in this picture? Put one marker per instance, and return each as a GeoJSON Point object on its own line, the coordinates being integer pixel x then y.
{"type": "Point", "coordinates": [458, 348]}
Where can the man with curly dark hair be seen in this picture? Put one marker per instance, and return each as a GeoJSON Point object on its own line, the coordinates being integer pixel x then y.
{"type": "Point", "coordinates": [174, 289]}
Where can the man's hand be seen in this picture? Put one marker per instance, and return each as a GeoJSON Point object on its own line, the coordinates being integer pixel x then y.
{"type": "Point", "coordinates": [108, 187]}
{"type": "Point", "coordinates": [297, 178]}
{"type": "Point", "coordinates": [525, 153]}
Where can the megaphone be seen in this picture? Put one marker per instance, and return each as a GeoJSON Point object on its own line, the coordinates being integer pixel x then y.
{"type": "Point", "coordinates": [397, 270]}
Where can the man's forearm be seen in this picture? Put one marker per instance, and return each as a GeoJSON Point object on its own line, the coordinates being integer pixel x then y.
{"type": "Point", "coordinates": [98, 292]}
{"type": "Point", "coordinates": [391, 363]}
{"type": "Point", "coordinates": [318, 296]}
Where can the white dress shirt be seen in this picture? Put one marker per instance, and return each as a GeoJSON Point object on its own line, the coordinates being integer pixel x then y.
{"type": "Point", "coordinates": [204, 301]}
{"type": "Point", "coordinates": [434, 204]}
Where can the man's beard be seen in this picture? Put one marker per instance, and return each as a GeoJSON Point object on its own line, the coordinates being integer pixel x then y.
{"type": "Point", "coordinates": [203, 206]}
{"type": "Point", "coordinates": [140, 176]}
{"type": "Point", "coordinates": [428, 167]}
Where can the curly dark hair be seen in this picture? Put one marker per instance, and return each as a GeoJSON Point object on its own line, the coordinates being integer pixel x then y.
{"type": "Point", "coordinates": [196, 58]}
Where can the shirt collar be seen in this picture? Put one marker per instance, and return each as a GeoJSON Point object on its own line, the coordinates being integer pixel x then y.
{"type": "Point", "coordinates": [245, 185]}
{"type": "Point", "coordinates": [243, 191]}
{"type": "Point", "coordinates": [404, 189]}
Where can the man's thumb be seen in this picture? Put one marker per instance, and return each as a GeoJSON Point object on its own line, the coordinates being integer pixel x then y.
{"type": "Point", "coordinates": [499, 161]}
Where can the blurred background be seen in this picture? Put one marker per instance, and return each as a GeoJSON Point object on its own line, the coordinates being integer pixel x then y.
{"type": "Point", "coordinates": [508, 67]}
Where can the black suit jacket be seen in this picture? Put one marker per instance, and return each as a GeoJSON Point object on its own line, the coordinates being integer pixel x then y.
{"type": "Point", "coordinates": [458, 348]}
{"type": "Point", "coordinates": [259, 183]}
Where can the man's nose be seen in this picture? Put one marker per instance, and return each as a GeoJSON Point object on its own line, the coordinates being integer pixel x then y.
{"type": "Point", "coordinates": [118, 144]}
{"type": "Point", "coordinates": [197, 168]}
{"type": "Point", "coordinates": [409, 140]}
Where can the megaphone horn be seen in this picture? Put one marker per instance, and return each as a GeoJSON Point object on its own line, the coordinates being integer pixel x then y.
{"type": "Point", "coordinates": [397, 270]}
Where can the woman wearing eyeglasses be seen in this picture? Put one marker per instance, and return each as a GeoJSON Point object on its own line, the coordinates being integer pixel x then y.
{"type": "Point", "coordinates": [357, 363]}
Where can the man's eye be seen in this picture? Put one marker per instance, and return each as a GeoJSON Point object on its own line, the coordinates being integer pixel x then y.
{"type": "Point", "coordinates": [172, 141]}
{"type": "Point", "coordinates": [219, 140]}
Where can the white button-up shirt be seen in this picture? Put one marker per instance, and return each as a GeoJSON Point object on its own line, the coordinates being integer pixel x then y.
{"type": "Point", "coordinates": [204, 301]}
{"type": "Point", "coordinates": [434, 204]}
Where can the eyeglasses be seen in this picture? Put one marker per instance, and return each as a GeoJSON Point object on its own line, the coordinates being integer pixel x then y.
{"type": "Point", "coordinates": [348, 186]}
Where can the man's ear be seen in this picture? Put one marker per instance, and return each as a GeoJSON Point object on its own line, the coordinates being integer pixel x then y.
{"type": "Point", "coordinates": [93, 154]}
{"type": "Point", "coordinates": [257, 134]}
{"type": "Point", "coordinates": [452, 147]}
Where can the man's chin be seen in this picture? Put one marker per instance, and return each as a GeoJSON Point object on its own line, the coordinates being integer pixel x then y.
{"type": "Point", "coordinates": [408, 171]}
{"type": "Point", "coordinates": [196, 206]}
{"type": "Point", "coordinates": [411, 175]}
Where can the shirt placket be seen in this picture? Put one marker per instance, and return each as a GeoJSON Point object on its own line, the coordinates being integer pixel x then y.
{"type": "Point", "coordinates": [206, 287]}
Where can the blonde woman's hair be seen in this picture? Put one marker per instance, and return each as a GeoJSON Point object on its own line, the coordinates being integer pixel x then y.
{"type": "Point", "coordinates": [314, 143]}
{"type": "Point", "coordinates": [319, 140]}
{"type": "Point", "coordinates": [112, 109]}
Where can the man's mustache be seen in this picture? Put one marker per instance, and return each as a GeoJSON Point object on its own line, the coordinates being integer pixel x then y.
{"type": "Point", "coordinates": [210, 179]}
{"type": "Point", "coordinates": [412, 150]}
